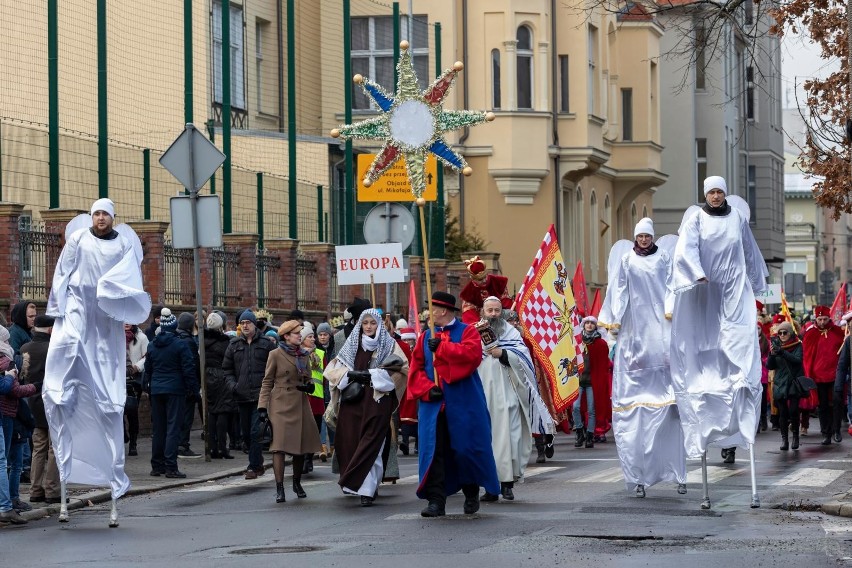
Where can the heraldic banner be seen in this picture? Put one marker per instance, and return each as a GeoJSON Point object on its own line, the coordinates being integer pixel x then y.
{"type": "Point", "coordinates": [550, 321]}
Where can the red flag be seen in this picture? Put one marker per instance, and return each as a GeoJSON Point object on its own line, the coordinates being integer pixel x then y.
{"type": "Point", "coordinates": [578, 286]}
{"type": "Point", "coordinates": [838, 307]}
{"type": "Point", "coordinates": [596, 303]}
{"type": "Point", "coordinates": [413, 313]}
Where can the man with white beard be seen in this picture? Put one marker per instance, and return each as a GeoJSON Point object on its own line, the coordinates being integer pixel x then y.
{"type": "Point", "coordinates": [507, 375]}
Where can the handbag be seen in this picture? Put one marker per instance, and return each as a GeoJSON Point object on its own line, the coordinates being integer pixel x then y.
{"type": "Point", "coordinates": [264, 435]}
{"type": "Point", "coordinates": [352, 393]}
{"type": "Point", "coordinates": [806, 383]}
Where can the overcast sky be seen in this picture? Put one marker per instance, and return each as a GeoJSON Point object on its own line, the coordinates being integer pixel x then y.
{"type": "Point", "coordinates": [800, 59]}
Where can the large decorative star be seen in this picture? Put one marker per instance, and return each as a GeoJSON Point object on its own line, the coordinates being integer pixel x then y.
{"type": "Point", "coordinates": [412, 123]}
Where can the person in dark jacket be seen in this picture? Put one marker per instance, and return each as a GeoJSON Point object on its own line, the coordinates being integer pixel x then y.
{"type": "Point", "coordinates": [44, 486]}
{"type": "Point", "coordinates": [23, 320]}
{"type": "Point", "coordinates": [785, 358]}
{"type": "Point", "coordinates": [151, 330]}
{"type": "Point", "coordinates": [841, 380]}
{"type": "Point", "coordinates": [185, 331]}
{"type": "Point", "coordinates": [244, 367]}
{"type": "Point", "coordinates": [220, 402]}
{"type": "Point", "coordinates": [170, 376]}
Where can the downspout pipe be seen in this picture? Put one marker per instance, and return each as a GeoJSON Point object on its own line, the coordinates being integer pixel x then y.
{"type": "Point", "coordinates": [554, 58]}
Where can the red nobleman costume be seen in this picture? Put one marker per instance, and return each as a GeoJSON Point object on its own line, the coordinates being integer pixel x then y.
{"type": "Point", "coordinates": [454, 427]}
{"type": "Point", "coordinates": [821, 353]}
{"type": "Point", "coordinates": [481, 286]}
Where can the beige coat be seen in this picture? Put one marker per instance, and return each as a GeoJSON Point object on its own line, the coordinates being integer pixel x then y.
{"type": "Point", "coordinates": [294, 430]}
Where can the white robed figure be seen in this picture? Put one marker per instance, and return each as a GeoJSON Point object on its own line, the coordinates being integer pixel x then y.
{"type": "Point", "coordinates": [715, 356]}
{"type": "Point", "coordinates": [645, 418]}
{"type": "Point", "coordinates": [516, 408]}
{"type": "Point", "coordinates": [97, 288]}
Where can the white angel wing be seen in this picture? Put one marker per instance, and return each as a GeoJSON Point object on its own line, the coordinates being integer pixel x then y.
{"type": "Point", "coordinates": [667, 243]}
{"type": "Point", "coordinates": [740, 205]}
{"type": "Point", "coordinates": [81, 221]}
{"type": "Point", "coordinates": [616, 253]}
{"type": "Point", "coordinates": [128, 233]}
{"type": "Point", "coordinates": [690, 211]}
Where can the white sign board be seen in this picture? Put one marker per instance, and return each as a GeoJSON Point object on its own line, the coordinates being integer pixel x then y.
{"type": "Point", "coordinates": [771, 296]}
{"type": "Point", "coordinates": [209, 222]}
{"type": "Point", "coordinates": [357, 263]}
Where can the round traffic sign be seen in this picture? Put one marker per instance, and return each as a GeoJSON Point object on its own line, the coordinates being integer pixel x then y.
{"type": "Point", "coordinates": [389, 223]}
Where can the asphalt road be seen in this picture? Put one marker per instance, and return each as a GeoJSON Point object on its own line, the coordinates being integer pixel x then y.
{"type": "Point", "coordinates": [573, 511]}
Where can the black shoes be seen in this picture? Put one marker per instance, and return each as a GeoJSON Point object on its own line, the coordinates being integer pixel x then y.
{"type": "Point", "coordinates": [590, 440]}
{"type": "Point", "coordinates": [433, 509]}
{"type": "Point", "coordinates": [279, 493]}
{"type": "Point", "coordinates": [367, 501]}
{"type": "Point", "coordinates": [506, 491]}
{"type": "Point", "coordinates": [784, 444]}
{"type": "Point", "coordinates": [157, 472]}
{"type": "Point", "coordinates": [837, 437]}
{"type": "Point", "coordinates": [471, 505]}
{"type": "Point", "coordinates": [540, 458]}
{"type": "Point", "coordinates": [297, 489]}
{"type": "Point", "coordinates": [795, 445]}
{"type": "Point", "coordinates": [826, 440]}
{"type": "Point", "coordinates": [581, 438]}
{"type": "Point", "coordinates": [729, 455]}
{"type": "Point", "coordinates": [175, 474]}
{"type": "Point", "coordinates": [132, 451]}
{"type": "Point", "coordinates": [489, 497]}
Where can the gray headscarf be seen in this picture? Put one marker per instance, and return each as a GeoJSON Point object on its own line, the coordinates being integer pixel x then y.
{"type": "Point", "coordinates": [385, 346]}
{"type": "Point", "coordinates": [5, 347]}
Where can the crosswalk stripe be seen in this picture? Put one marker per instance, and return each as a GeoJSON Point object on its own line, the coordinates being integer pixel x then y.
{"type": "Point", "coordinates": [811, 477]}
{"type": "Point", "coordinates": [714, 474]}
{"type": "Point", "coordinates": [532, 472]}
{"type": "Point", "coordinates": [608, 475]}
{"type": "Point", "coordinates": [212, 488]}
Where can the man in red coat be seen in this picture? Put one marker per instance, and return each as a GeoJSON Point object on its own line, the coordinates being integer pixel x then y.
{"type": "Point", "coordinates": [822, 344]}
{"type": "Point", "coordinates": [595, 372]}
{"type": "Point", "coordinates": [481, 286]}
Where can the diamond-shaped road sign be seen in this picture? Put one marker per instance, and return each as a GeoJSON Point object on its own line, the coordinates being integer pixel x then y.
{"type": "Point", "coordinates": [192, 158]}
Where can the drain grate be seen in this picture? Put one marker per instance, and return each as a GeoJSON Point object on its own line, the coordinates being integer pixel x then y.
{"type": "Point", "coordinates": [613, 537]}
{"type": "Point", "coordinates": [277, 550]}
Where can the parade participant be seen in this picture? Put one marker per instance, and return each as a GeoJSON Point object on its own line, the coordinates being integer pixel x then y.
{"type": "Point", "coordinates": [371, 363]}
{"type": "Point", "coordinates": [221, 407]}
{"type": "Point", "coordinates": [503, 371]}
{"type": "Point", "coordinates": [325, 341]}
{"type": "Point", "coordinates": [481, 286]}
{"type": "Point", "coordinates": [543, 439]}
{"type": "Point", "coordinates": [137, 347]}
{"type": "Point", "coordinates": [97, 287]}
{"type": "Point", "coordinates": [593, 381]}
{"type": "Point", "coordinates": [646, 423]}
{"type": "Point", "coordinates": [283, 399]}
{"type": "Point", "coordinates": [454, 428]}
{"type": "Point", "coordinates": [407, 406]}
{"type": "Point", "coordinates": [841, 379]}
{"type": "Point", "coordinates": [821, 344]}
{"type": "Point", "coordinates": [715, 356]}
{"type": "Point", "coordinates": [350, 316]}
{"type": "Point", "coordinates": [316, 398]}
{"type": "Point", "coordinates": [785, 358]}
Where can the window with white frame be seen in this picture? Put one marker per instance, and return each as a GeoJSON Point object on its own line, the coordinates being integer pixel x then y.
{"type": "Point", "coordinates": [594, 244]}
{"type": "Point", "coordinates": [700, 167]}
{"type": "Point", "coordinates": [563, 84]}
{"type": "Point", "coordinates": [372, 53]}
{"type": "Point", "coordinates": [593, 64]}
{"type": "Point", "coordinates": [260, 29]}
{"type": "Point", "coordinates": [524, 37]}
{"type": "Point", "coordinates": [238, 83]}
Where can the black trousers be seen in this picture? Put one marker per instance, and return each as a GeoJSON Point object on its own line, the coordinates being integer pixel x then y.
{"type": "Point", "coordinates": [825, 393]}
{"type": "Point", "coordinates": [131, 412]}
{"type": "Point", "coordinates": [788, 414]}
{"type": "Point", "coordinates": [433, 487]}
{"type": "Point", "coordinates": [166, 416]}
{"type": "Point", "coordinates": [217, 428]}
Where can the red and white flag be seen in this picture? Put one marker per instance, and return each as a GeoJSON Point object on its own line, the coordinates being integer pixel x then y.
{"type": "Point", "coordinates": [413, 313]}
{"type": "Point", "coordinates": [548, 316]}
{"type": "Point", "coordinates": [838, 306]}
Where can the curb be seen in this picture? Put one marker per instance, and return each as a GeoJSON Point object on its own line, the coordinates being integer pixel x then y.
{"type": "Point", "coordinates": [103, 495]}
{"type": "Point", "coordinates": [839, 506]}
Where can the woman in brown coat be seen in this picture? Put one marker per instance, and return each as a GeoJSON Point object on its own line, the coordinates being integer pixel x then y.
{"type": "Point", "coordinates": [284, 398]}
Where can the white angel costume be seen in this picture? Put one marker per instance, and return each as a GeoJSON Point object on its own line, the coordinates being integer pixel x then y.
{"type": "Point", "coordinates": [97, 287]}
{"type": "Point", "coordinates": [645, 418]}
{"type": "Point", "coordinates": [715, 356]}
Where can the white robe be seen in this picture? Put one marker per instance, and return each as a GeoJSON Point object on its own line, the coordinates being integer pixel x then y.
{"type": "Point", "coordinates": [715, 356]}
{"type": "Point", "coordinates": [508, 393]}
{"type": "Point", "coordinates": [97, 287]}
{"type": "Point", "coordinates": [645, 418]}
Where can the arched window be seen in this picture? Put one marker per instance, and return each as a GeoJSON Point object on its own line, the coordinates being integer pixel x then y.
{"type": "Point", "coordinates": [525, 67]}
{"type": "Point", "coordinates": [633, 219]}
{"type": "Point", "coordinates": [644, 211]}
{"type": "Point", "coordinates": [495, 78]}
{"type": "Point", "coordinates": [579, 232]}
{"type": "Point", "coordinates": [594, 240]}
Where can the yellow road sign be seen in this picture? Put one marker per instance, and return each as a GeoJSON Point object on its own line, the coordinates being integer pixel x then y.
{"type": "Point", "coordinates": [393, 184]}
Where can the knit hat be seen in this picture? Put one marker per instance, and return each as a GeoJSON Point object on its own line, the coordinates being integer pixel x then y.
{"type": "Point", "coordinates": [43, 321]}
{"type": "Point", "coordinates": [401, 323]}
{"type": "Point", "coordinates": [407, 333]}
{"type": "Point", "coordinates": [103, 205]}
{"type": "Point", "coordinates": [786, 326]}
{"type": "Point", "coordinates": [592, 319]}
{"type": "Point", "coordinates": [185, 321]}
{"type": "Point", "coordinates": [168, 322]}
{"type": "Point", "coordinates": [247, 315]}
{"type": "Point", "coordinates": [306, 331]}
{"type": "Point", "coordinates": [715, 182]}
{"type": "Point", "coordinates": [222, 315]}
{"type": "Point", "coordinates": [324, 328]}
{"type": "Point", "coordinates": [644, 226]}
{"type": "Point", "coordinates": [214, 322]}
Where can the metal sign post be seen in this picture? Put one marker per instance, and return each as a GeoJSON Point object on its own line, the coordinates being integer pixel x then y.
{"type": "Point", "coordinates": [192, 159]}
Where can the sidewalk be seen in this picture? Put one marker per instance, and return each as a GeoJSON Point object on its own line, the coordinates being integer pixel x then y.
{"type": "Point", "coordinates": [138, 468]}
{"type": "Point", "coordinates": [840, 505]}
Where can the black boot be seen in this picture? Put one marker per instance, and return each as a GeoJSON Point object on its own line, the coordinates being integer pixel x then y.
{"type": "Point", "coordinates": [784, 444]}
{"type": "Point", "coordinates": [548, 446]}
{"type": "Point", "coordinates": [297, 488]}
{"type": "Point", "coordinates": [279, 489]}
{"type": "Point", "coordinates": [795, 439]}
{"type": "Point", "coordinates": [506, 491]}
{"type": "Point", "coordinates": [590, 440]}
{"type": "Point", "coordinates": [308, 464]}
{"type": "Point", "coordinates": [581, 438]}
{"type": "Point", "coordinates": [539, 446]}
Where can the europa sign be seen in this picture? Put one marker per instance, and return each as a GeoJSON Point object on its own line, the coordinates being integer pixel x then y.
{"type": "Point", "coordinates": [363, 264]}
